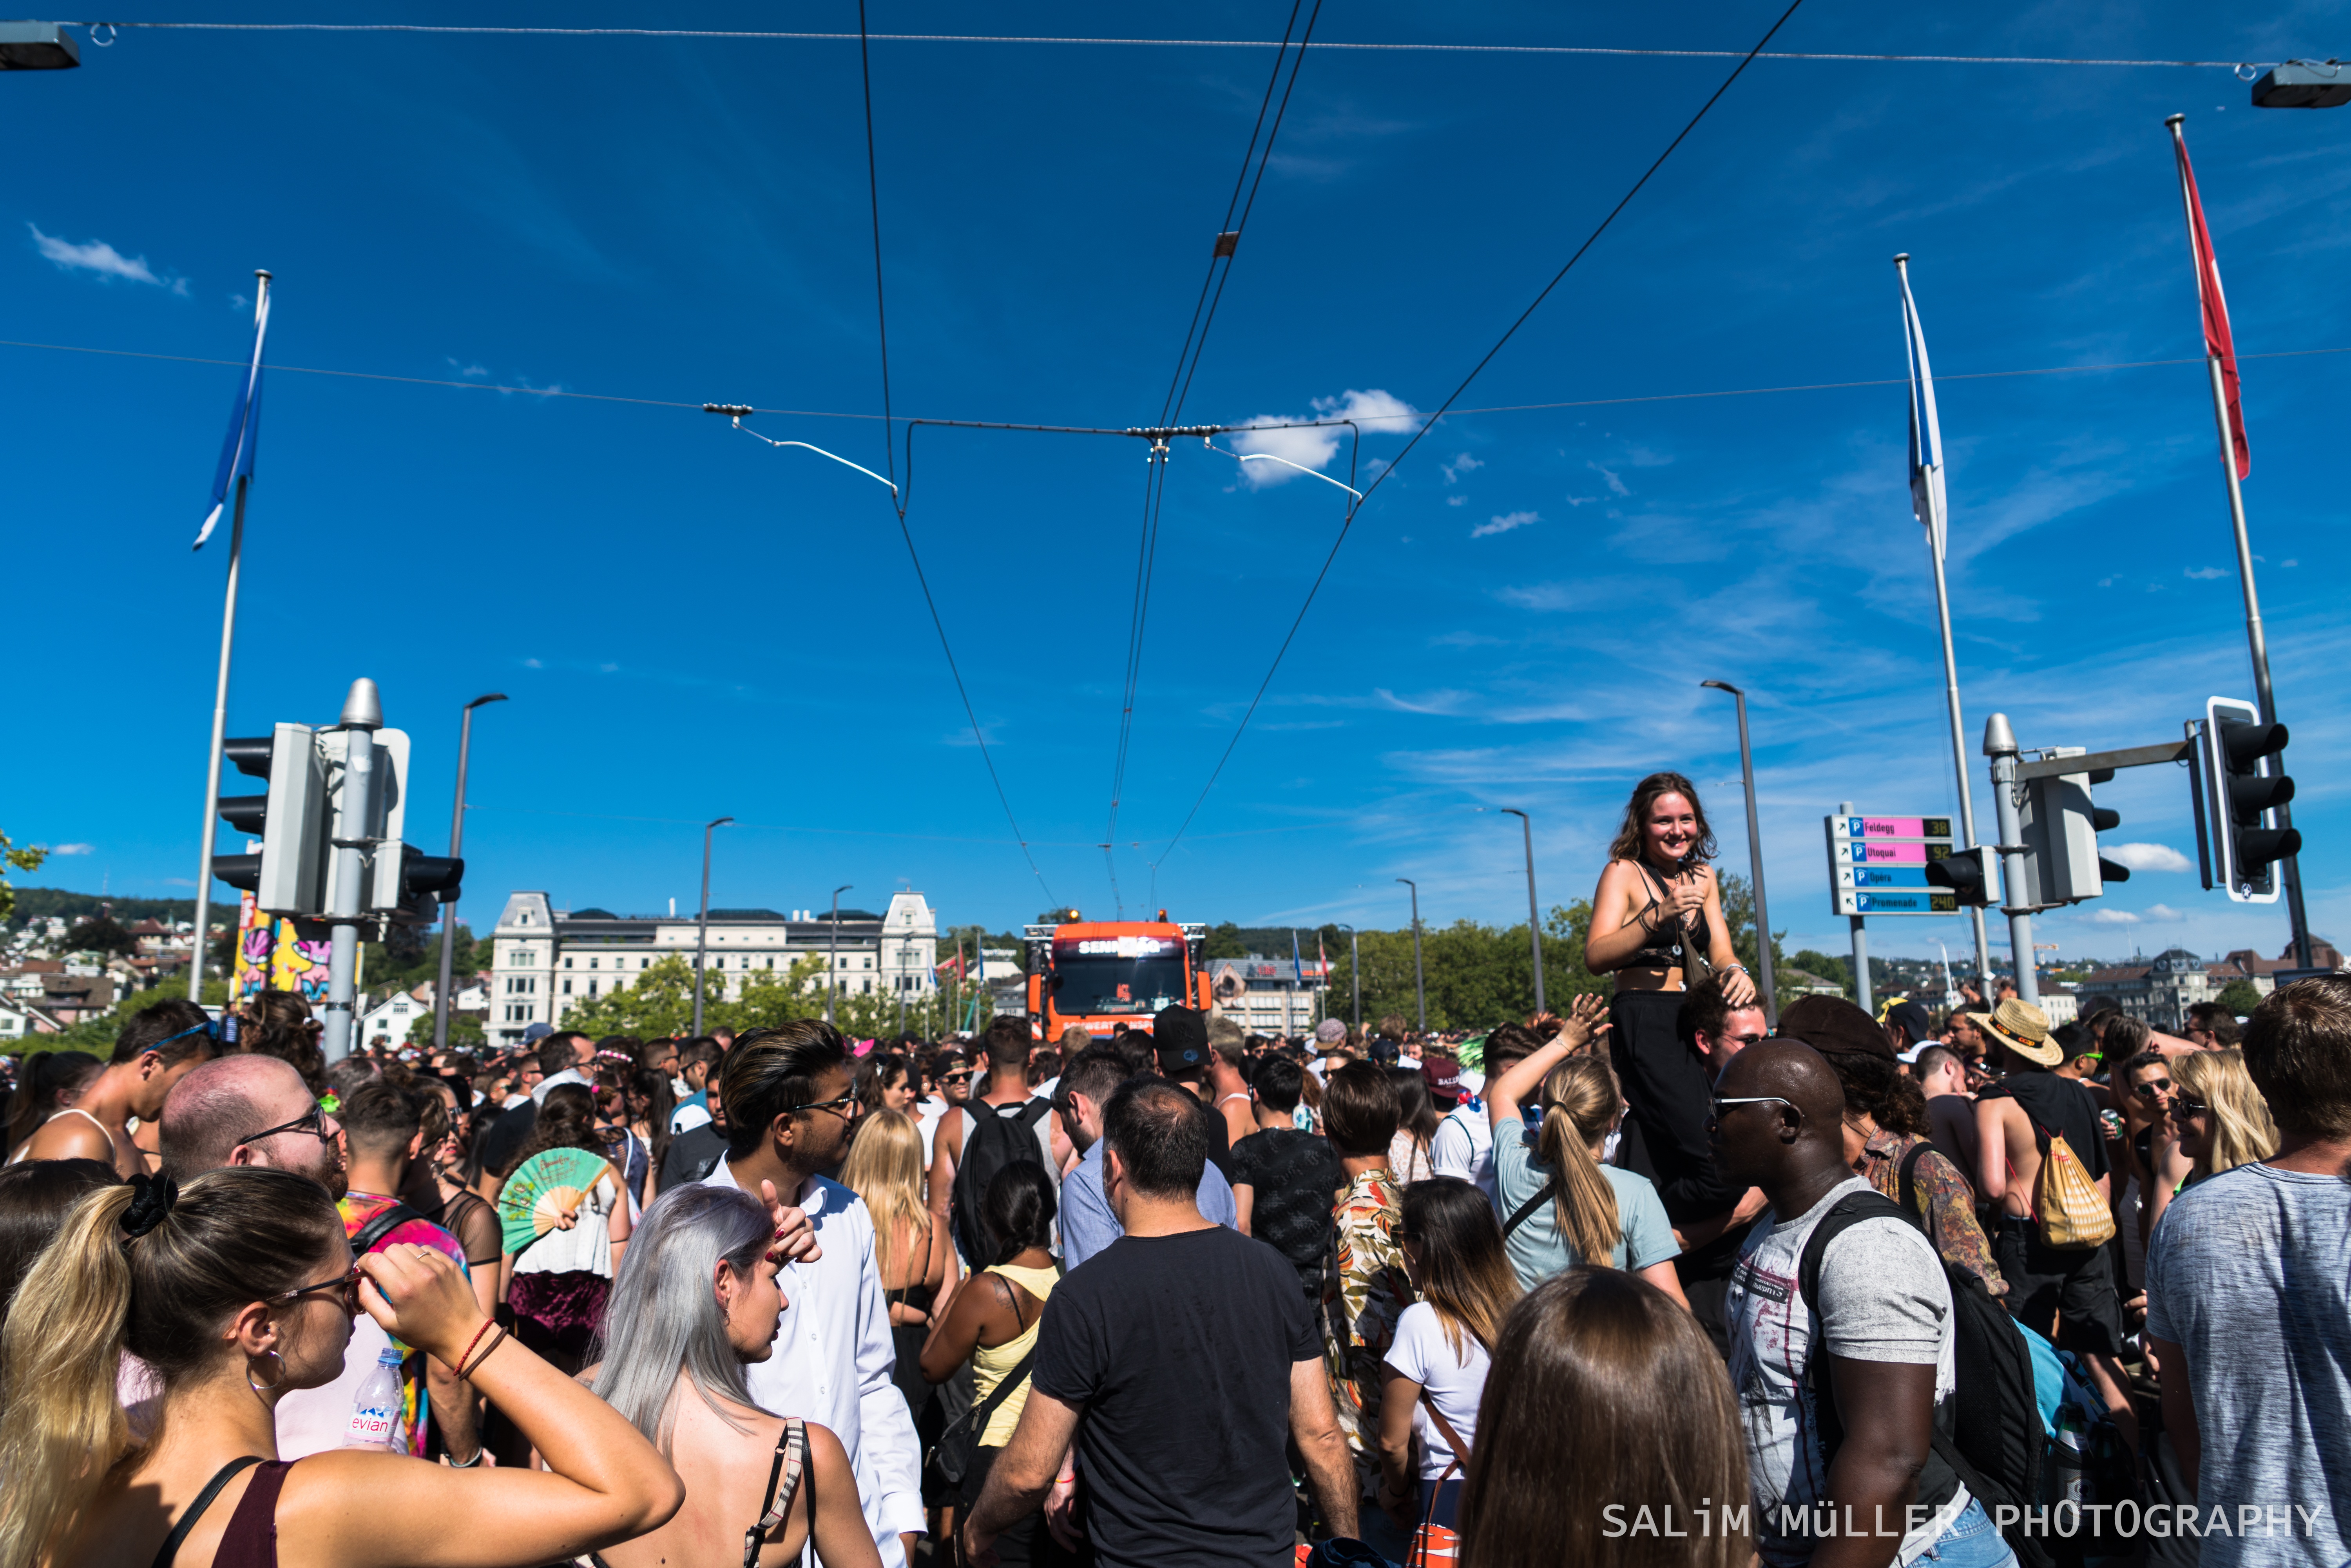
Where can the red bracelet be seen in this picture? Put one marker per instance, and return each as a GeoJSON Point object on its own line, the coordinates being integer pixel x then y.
{"type": "Point", "coordinates": [487, 1324]}
{"type": "Point", "coordinates": [495, 1340]}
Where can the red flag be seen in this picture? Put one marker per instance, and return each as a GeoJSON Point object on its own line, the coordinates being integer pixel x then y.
{"type": "Point", "coordinates": [2217, 340]}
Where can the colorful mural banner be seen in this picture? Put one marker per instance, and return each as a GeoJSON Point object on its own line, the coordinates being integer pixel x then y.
{"type": "Point", "coordinates": [270, 957]}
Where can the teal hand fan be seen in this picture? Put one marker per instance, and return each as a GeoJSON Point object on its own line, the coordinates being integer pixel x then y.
{"type": "Point", "coordinates": [545, 1188]}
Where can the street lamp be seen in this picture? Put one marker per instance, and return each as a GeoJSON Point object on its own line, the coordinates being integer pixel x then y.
{"type": "Point", "coordinates": [1419, 983]}
{"type": "Point", "coordinates": [37, 46]}
{"type": "Point", "coordinates": [1771, 998]}
{"type": "Point", "coordinates": [1534, 921]}
{"type": "Point", "coordinates": [832, 952]}
{"type": "Point", "coordinates": [702, 931]}
{"type": "Point", "coordinates": [456, 845]}
{"type": "Point", "coordinates": [1356, 973]}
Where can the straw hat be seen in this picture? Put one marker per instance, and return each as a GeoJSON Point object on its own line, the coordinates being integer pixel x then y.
{"type": "Point", "coordinates": [2023, 1029]}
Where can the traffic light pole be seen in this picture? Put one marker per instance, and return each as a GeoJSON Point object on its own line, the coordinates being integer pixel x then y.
{"type": "Point", "coordinates": [354, 822]}
{"type": "Point", "coordinates": [213, 757]}
{"type": "Point", "coordinates": [2000, 745]}
{"type": "Point", "coordinates": [2259, 645]}
{"type": "Point", "coordinates": [456, 849]}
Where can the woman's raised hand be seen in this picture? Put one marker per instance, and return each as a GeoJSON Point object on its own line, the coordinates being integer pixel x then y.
{"type": "Point", "coordinates": [1737, 990]}
{"type": "Point", "coordinates": [1587, 1016]}
{"type": "Point", "coordinates": [418, 1295]}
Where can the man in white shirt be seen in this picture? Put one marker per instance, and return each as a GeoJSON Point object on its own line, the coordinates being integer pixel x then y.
{"type": "Point", "coordinates": [583, 1056]}
{"type": "Point", "coordinates": [1464, 1143]}
{"type": "Point", "coordinates": [789, 1108]}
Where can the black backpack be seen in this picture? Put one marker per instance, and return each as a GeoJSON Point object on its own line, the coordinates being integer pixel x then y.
{"type": "Point", "coordinates": [999, 1135]}
{"type": "Point", "coordinates": [1988, 1434]}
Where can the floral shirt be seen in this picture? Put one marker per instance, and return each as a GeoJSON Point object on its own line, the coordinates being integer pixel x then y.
{"type": "Point", "coordinates": [1365, 1291]}
{"type": "Point", "coordinates": [1945, 1202]}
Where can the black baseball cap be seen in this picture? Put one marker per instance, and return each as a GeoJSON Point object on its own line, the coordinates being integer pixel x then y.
{"type": "Point", "coordinates": [1911, 1018]}
{"type": "Point", "coordinates": [1180, 1037]}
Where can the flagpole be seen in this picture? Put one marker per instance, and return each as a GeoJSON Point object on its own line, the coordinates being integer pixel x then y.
{"type": "Point", "coordinates": [1938, 531]}
{"type": "Point", "coordinates": [213, 757]}
{"type": "Point", "coordinates": [204, 900]}
{"type": "Point", "coordinates": [2256, 641]}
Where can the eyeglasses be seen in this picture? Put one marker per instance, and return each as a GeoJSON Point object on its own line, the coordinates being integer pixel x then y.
{"type": "Point", "coordinates": [2150, 1089]}
{"type": "Point", "coordinates": [1757, 1038]}
{"type": "Point", "coordinates": [1716, 1103]}
{"type": "Point", "coordinates": [348, 1283]}
{"type": "Point", "coordinates": [963, 1077]}
{"type": "Point", "coordinates": [846, 1107]}
{"type": "Point", "coordinates": [2185, 1108]}
{"type": "Point", "coordinates": [312, 1122]}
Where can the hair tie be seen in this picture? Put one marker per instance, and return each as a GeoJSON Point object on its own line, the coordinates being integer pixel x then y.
{"type": "Point", "coordinates": [151, 1199]}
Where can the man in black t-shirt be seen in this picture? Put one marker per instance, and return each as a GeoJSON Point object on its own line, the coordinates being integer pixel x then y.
{"type": "Point", "coordinates": [1172, 1365]}
{"type": "Point", "coordinates": [1284, 1180]}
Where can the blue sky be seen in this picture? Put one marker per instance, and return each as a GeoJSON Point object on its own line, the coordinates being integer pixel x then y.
{"type": "Point", "coordinates": [692, 624]}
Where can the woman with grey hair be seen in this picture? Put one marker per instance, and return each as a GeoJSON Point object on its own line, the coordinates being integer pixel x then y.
{"type": "Point", "coordinates": [695, 1300]}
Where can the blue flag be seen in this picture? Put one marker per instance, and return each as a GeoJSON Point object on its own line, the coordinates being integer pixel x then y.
{"type": "Point", "coordinates": [243, 422]}
{"type": "Point", "coordinates": [1297, 968]}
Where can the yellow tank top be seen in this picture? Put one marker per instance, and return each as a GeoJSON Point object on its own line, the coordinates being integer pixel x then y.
{"type": "Point", "coordinates": [989, 1366]}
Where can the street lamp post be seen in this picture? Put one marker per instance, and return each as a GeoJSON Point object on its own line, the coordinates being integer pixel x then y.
{"type": "Point", "coordinates": [832, 952]}
{"type": "Point", "coordinates": [1356, 973]}
{"type": "Point", "coordinates": [702, 930]}
{"type": "Point", "coordinates": [1534, 921]}
{"type": "Point", "coordinates": [1419, 982]}
{"type": "Point", "coordinates": [1771, 998]}
{"type": "Point", "coordinates": [456, 846]}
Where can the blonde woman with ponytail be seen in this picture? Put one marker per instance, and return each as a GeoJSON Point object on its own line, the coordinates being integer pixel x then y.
{"type": "Point", "coordinates": [1559, 1204]}
{"type": "Point", "coordinates": [232, 1291]}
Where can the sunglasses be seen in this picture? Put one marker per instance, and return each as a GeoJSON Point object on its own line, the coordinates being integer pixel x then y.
{"type": "Point", "coordinates": [1757, 1038]}
{"type": "Point", "coordinates": [1715, 1104]}
{"type": "Point", "coordinates": [2150, 1089]}
{"type": "Point", "coordinates": [348, 1283]}
{"type": "Point", "coordinates": [846, 1107]}
{"type": "Point", "coordinates": [963, 1077]}
{"type": "Point", "coordinates": [2185, 1108]}
{"type": "Point", "coordinates": [209, 1027]}
{"type": "Point", "coordinates": [312, 1122]}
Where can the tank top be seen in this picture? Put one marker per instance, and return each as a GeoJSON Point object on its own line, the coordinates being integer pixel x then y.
{"type": "Point", "coordinates": [251, 1539]}
{"type": "Point", "coordinates": [18, 1157]}
{"type": "Point", "coordinates": [990, 1367]}
{"type": "Point", "coordinates": [1663, 949]}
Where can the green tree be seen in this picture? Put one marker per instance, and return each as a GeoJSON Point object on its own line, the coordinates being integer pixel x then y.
{"type": "Point", "coordinates": [1828, 968]}
{"type": "Point", "coordinates": [466, 1031]}
{"type": "Point", "coordinates": [2240, 997]}
{"type": "Point", "coordinates": [100, 933]}
{"type": "Point", "coordinates": [15, 859]}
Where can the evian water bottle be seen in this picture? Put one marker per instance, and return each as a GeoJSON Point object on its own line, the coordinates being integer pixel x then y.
{"type": "Point", "coordinates": [378, 1408]}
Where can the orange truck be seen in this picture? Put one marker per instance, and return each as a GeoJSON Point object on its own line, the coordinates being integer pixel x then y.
{"type": "Point", "coordinates": [1102, 973]}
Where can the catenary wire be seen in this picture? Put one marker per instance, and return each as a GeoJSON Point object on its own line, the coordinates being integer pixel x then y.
{"type": "Point", "coordinates": [1355, 508]}
{"type": "Point", "coordinates": [1941, 376]}
{"type": "Point", "coordinates": [1229, 232]}
{"type": "Point", "coordinates": [898, 498]}
{"type": "Point", "coordinates": [1431, 49]}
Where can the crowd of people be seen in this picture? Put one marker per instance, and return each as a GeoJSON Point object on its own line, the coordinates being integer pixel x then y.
{"type": "Point", "coordinates": [1670, 1280]}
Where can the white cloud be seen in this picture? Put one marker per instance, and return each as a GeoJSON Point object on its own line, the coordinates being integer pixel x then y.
{"type": "Point", "coordinates": [1466, 463]}
{"type": "Point", "coordinates": [1314, 447]}
{"type": "Point", "coordinates": [532, 665]}
{"type": "Point", "coordinates": [2113, 917]}
{"type": "Point", "coordinates": [2164, 912]}
{"type": "Point", "coordinates": [1456, 500]}
{"type": "Point", "coordinates": [467, 369]}
{"type": "Point", "coordinates": [1504, 524]}
{"type": "Point", "coordinates": [71, 849]}
{"type": "Point", "coordinates": [2205, 573]}
{"type": "Point", "coordinates": [2147, 857]}
{"type": "Point", "coordinates": [2289, 561]}
{"type": "Point", "coordinates": [1614, 484]}
{"type": "Point", "coordinates": [102, 258]}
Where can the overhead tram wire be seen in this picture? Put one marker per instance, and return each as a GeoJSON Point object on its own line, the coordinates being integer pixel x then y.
{"type": "Point", "coordinates": [898, 499]}
{"type": "Point", "coordinates": [1132, 431]}
{"type": "Point", "coordinates": [1179, 384]}
{"type": "Point", "coordinates": [1425, 48]}
{"type": "Point", "coordinates": [1356, 510]}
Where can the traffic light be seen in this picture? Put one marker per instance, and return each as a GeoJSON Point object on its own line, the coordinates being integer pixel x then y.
{"type": "Point", "coordinates": [2060, 825]}
{"type": "Point", "coordinates": [2247, 783]}
{"type": "Point", "coordinates": [426, 882]}
{"type": "Point", "coordinates": [1968, 873]}
{"type": "Point", "coordinates": [292, 820]}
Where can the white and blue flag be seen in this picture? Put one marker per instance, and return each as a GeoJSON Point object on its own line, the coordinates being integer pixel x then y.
{"type": "Point", "coordinates": [244, 422]}
{"type": "Point", "coordinates": [1926, 497]}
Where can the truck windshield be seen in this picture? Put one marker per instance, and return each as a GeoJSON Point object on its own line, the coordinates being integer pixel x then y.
{"type": "Point", "coordinates": [1086, 987]}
